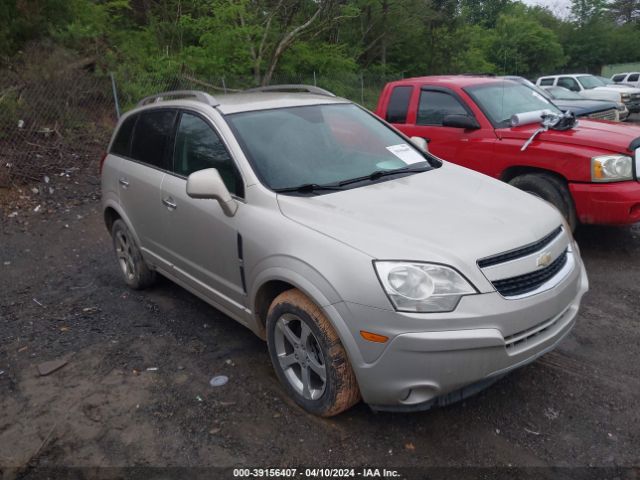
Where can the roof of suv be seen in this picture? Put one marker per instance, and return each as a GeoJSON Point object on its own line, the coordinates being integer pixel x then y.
{"type": "Point", "coordinates": [244, 102]}
{"type": "Point", "coordinates": [263, 98]}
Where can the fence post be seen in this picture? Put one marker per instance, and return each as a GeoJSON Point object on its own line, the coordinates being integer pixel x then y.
{"type": "Point", "coordinates": [115, 94]}
{"type": "Point", "coordinates": [314, 78]}
{"type": "Point", "coordinates": [224, 85]}
{"type": "Point", "coordinates": [361, 88]}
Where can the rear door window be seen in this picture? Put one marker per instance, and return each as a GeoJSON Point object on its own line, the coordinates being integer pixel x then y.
{"type": "Point", "coordinates": [198, 147]}
{"type": "Point", "coordinates": [152, 138]}
{"type": "Point", "coordinates": [399, 104]}
{"type": "Point", "coordinates": [434, 106]}
{"type": "Point", "coordinates": [618, 78]}
{"type": "Point", "coordinates": [633, 77]}
{"type": "Point", "coordinates": [122, 143]}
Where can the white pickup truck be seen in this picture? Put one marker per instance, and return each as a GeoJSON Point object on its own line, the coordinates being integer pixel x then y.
{"type": "Point", "coordinates": [596, 88]}
{"type": "Point", "coordinates": [629, 79]}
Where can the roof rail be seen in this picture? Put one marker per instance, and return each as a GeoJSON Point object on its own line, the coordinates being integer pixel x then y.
{"type": "Point", "coordinates": [292, 88]}
{"type": "Point", "coordinates": [196, 94]}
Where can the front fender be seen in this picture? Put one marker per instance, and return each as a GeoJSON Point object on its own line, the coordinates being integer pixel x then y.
{"type": "Point", "coordinates": [313, 284]}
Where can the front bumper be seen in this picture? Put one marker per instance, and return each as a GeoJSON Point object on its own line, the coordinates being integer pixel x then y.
{"type": "Point", "coordinates": [623, 114]}
{"type": "Point", "coordinates": [416, 368]}
{"type": "Point", "coordinates": [607, 203]}
{"type": "Point", "coordinates": [633, 106]}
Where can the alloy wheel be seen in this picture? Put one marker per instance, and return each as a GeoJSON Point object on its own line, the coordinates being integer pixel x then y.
{"type": "Point", "coordinates": [125, 255]}
{"type": "Point", "coordinates": [300, 356]}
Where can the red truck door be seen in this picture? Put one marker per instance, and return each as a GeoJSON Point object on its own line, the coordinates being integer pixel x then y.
{"type": "Point", "coordinates": [467, 147]}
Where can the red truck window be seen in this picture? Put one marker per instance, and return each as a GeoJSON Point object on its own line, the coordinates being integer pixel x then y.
{"type": "Point", "coordinates": [434, 106]}
{"type": "Point", "coordinates": [399, 105]}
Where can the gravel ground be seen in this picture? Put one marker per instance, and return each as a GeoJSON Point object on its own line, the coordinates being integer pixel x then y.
{"type": "Point", "coordinates": [135, 390]}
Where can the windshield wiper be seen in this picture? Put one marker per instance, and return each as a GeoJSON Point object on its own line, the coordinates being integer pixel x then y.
{"type": "Point", "coordinates": [383, 173]}
{"type": "Point", "coordinates": [307, 188]}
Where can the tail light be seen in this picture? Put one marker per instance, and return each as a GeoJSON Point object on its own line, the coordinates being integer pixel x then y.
{"type": "Point", "coordinates": [102, 162]}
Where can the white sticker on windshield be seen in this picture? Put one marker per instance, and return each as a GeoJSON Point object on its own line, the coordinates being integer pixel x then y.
{"type": "Point", "coordinates": [406, 153]}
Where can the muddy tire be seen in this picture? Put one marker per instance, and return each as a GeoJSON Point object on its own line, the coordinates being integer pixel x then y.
{"type": "Point", "coordinates": [551, 189]}
{"type": "Point", "coordinates": [308, 357]}
{"type": "Point", "coordinates": [135, 272]}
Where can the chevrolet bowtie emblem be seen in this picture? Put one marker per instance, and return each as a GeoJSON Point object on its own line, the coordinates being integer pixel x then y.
{"type": "Point", "coordinates": [544, 260]}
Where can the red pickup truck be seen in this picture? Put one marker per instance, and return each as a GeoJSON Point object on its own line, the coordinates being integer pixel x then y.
{"type": "Point", "coordinates": [590, 170]}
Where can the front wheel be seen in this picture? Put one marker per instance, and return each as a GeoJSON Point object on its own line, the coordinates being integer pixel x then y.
{"type": "Point", "coordinates": [308, 357]}
{"type": "Point", "coordinates": [551, 189]}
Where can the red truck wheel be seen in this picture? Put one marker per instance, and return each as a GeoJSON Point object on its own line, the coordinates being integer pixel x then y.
{"type": "Point", "coordinates": [551, 189]}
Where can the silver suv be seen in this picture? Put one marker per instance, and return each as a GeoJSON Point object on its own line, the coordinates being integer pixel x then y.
{"type": "Point", "coordinates": [373, 269]}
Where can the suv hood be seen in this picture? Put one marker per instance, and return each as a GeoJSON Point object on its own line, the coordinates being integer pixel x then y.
{"type": "Point", "coordinates": [608, 136]}
{"type": "Point", "coordinates": [620, 88]}
{"type": "Point", "coordinates": [449, 215]}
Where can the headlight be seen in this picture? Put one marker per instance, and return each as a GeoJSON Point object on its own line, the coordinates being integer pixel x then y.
{"type": "Point", "coordinates": [611, 168]}
{"type": "Point", "coordinates": [625, 97]}
{"type": "Point", "coordinates": [422, 287]}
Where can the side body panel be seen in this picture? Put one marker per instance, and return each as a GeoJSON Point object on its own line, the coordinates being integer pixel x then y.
{"type": "Point", "coordinates": [201, 243]}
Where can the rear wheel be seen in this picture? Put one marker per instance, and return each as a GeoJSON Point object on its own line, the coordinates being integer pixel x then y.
{"type": "Point", "coordinates": [551, 189]}
{"type": "Point", "coordinates": [135, 271]}
{"type": "Point", "coordinates": [308, 357]}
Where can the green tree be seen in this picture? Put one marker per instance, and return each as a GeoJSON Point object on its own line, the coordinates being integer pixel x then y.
{"type": "Point", "coordinates": [586, 11]}
{"type": "Point", "coordinates": [523, 46]}
{"type": "Point", "coordinates": [625, 11]}
{"type": "Point", "coordinates": [485, 13]}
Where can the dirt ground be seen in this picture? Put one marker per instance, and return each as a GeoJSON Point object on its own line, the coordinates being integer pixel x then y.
{"type": "Point", "coordinates": [135, 390]}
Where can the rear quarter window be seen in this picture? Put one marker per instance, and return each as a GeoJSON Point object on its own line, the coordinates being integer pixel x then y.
{"type": "Point", "coordinates": [399, 104]}
{"type": "Point", "coordinates": [546, 82]}
{"type": "Point", "coordinates": [152, 138]}
{"type": "Point", "coordinates": [122, 143]}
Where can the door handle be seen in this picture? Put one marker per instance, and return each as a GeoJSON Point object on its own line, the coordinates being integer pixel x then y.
{"type": "Point", "coordinates": [124, 182]}
{"type": "Point", "coordinates": [170, 203]}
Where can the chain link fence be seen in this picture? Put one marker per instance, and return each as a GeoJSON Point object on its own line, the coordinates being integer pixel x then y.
{"type": "Point", "coordinates": [58, 123]}
{"type": "Point", "coordinates": [359, 87]}
{"type": "Point", "coordinates": [53, 125]}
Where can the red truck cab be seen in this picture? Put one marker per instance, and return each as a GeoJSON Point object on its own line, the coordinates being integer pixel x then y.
{"type": "Point", "coordinates": [591, 172]}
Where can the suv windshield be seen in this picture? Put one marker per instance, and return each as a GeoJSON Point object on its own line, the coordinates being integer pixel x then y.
{"type": "Point", "coordinates": [590, 81]}
{"type": "Point", "coordinates": [501, 100]}
{"type": "Point", "coordinates": [317, 146]}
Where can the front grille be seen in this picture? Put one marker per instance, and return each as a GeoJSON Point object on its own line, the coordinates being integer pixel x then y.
{"type": "Point", "coordinates": [605, 115]}
{"type": "Point", "coordinates": [520, 252]}
{"type": "Point", "coordinates": [514, 286]}
{"type": "Point", "coordinates": [523, 338]}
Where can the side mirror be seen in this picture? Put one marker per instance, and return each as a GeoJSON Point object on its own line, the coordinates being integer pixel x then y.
{"type": "Point", "coordinates": [208, 184]}
{"type": "Point", "coordinates": [421, 143]}
{"type": "Point", "coordinates": [460, 121]}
